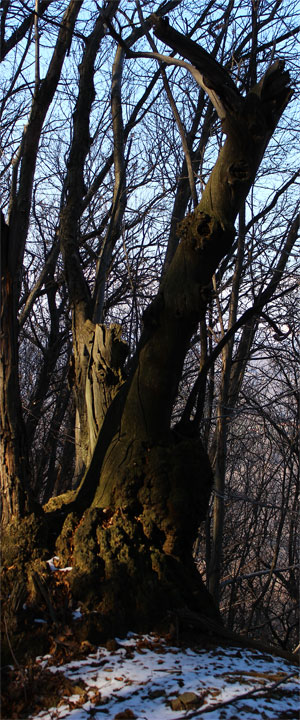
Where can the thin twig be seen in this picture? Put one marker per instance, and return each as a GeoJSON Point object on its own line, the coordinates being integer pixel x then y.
{"type": "Point", "coordinates": [15, 659]}
{"type": "Point", "coordinates": [10, 645]}
{"type": "Point", "coordinates": [250, 693]}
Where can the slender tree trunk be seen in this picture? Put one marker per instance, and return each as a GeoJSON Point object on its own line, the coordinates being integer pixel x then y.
{"type": "Point", "coordinates": [233, 375]}
{"type": "Point", "coordinates": [98, 353]}
{"type": "Point", "coordinates": [14, 450]}
{"type": "Point", "coordinates": [14, 465]}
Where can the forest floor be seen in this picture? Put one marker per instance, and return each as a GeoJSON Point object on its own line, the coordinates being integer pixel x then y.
{"type": "Point", "coordinates": [150, 677]}
{"type": "Point", "coordinates": [160, 676]}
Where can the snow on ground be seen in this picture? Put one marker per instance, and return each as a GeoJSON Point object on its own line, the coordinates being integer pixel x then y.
{"type": "Point", "coordinates": [146, 678]}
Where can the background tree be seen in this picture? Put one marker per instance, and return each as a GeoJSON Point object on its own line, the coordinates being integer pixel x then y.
{"type": "Point", "coordinates": [106, 168]}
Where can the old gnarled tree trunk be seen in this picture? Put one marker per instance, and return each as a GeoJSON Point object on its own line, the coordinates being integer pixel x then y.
{"type": "Point", "coordinates": [129, 529]}
{"type": "Point", "coordinates": [148, 485]}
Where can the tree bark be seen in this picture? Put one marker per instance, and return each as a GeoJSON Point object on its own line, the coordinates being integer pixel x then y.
{"type": "Point", "coordinates": [148, 485]}
{"type": "Point", "coordinates": [97, 375]}
{"type": "Point", "coordinates": [131, 525]}
{"type": "Point", "coordinates": [14, 465]}
{"type": "Point", "coordinates": [93, 353]}
{"type": "Point", "coordinates": [14, 449]}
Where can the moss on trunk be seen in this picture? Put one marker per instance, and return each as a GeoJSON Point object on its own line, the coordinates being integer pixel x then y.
{"type": "Point", "coordinates": [131, 551]}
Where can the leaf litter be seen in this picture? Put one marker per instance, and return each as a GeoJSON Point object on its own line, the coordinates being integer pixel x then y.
{"type": "Point", "coordinates": [147, 678]}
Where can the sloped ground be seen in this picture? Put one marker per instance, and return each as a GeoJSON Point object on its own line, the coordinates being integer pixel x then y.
{"type": "Point", "coordinates": [148, 678]}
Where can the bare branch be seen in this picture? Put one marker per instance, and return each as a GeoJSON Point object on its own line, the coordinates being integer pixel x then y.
{"type": "Point", "coordinates": [20, 32]}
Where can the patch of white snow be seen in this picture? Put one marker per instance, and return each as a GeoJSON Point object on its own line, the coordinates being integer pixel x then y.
{"type": "Point", "coordinates": [145, 674]}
